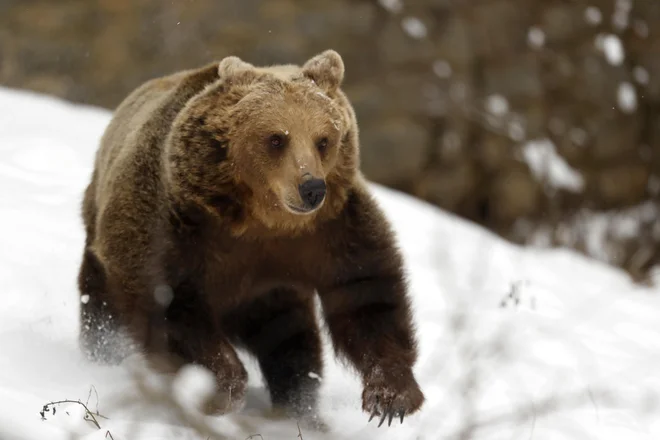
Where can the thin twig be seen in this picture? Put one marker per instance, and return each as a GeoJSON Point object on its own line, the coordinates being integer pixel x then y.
{"type": "Point", "coordinates": [92, 418]}
{"type": "Point", "coordinates": [97, 398]}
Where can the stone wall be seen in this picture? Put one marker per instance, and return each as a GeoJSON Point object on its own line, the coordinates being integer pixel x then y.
{"type": "Point", "coordinates": [449, 93]}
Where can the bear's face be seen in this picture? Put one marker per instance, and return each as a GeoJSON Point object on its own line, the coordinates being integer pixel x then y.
{"type": "Point", "coordinates": [287, 147]}
{"type": "Point", "coordinates": [277, 145]}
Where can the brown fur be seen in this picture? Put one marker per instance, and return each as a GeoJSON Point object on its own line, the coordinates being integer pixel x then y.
{"type": "Point", "coordinates": [192, 249]}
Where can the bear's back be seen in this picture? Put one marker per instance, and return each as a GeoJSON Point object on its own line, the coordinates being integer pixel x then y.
{"type": "Point", "coordinates": [132, 145]}
{"type": "Point", "coordinates": [125, 198]}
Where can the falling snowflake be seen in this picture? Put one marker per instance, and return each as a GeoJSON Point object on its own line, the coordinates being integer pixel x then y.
{"type": "Point", "coordinates": [393, 6]}
{"type": "Point", "coordinates": [516, 130]}
{"type": "Point", "coordinates": [414, 27]}
{"type": "Point", "coordinates": [578, 136]}
{"type": "Point", "coordinates": [627, 97]}
{"type": "Point", "coordinates": [612, 48]}
{"type": "Point", "coordinates": [442, 69]}
{"type": "Point", "coordinates": [641, 75]}
{"type": "Point", "coordinates": [497, 105]}
{"type": "Point", "coordinates": [593, 15]}
{"type": "Point", "coordinates": [621, 14]}
{"type": "Point", "coordinates": [536, 37]}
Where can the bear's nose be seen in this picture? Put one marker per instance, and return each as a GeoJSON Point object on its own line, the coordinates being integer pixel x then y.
{"type": "Point", "coordinates": [312, 192]}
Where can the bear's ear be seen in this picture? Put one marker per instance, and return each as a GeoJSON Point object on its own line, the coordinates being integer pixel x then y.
{"type": "Point", "coordinates": [325, 69]}
{"type": "Point", "coordinates": [234, 68]}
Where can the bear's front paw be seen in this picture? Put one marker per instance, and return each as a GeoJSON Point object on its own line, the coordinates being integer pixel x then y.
{"type": "Point", "coordinates": [391, 395]}
{"type": "Point", "coordinates": [230, 394]}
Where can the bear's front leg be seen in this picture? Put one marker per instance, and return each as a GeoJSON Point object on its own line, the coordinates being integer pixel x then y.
{"type": "Point", "coordinates": [368, 312]}
{"type": "Point", "coordinates": [194, 338]}
{"type": "Point", "coordinates": [174, 327]}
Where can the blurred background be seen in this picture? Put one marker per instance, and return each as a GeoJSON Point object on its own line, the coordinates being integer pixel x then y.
{"type": "Point", "coordinates": [539, 119]}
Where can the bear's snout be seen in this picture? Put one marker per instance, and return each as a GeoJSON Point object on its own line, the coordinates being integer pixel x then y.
{"type": "Point", "coordinates": [312, 192]}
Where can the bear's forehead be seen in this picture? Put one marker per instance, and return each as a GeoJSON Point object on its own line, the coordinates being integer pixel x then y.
{"type": "Point", "coordinates": [290, 111]}
{"type": "Point", "coordinates": [294, 86]}
{"type": "Point", "coordinates": [290, 95]}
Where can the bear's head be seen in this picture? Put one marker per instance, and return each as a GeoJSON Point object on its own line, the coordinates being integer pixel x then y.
{"type": "Point", "coordinates": [274, 147]}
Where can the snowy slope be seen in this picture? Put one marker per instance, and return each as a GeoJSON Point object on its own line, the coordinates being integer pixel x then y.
{"type": "Point", "coordinates": [515, 343]}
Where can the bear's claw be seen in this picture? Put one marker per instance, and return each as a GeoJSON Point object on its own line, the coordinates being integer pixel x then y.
{"type": "Point", "coordinates": [373, 414]}
{"type": "Point", "coordinates": [390, 399]}
{"type": "Point", "coordinates": [389, 413]}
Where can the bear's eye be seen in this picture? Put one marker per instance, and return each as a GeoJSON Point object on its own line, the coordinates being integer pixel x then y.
{"type": "Point", "coordinates": [276, 141]}
{"type": "Point", "coordinates": [322, 145]}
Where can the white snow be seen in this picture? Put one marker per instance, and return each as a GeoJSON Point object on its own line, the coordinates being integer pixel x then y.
{"type": "Point", "coordinates": [598, 228]}
{"type": "Point", "coordinates": [514, 342]}
{"type": "Point", "coordinates": [593, 15]}
{"type": "Point", "coordinates": [549, 167]}
{"type": "Point", "coordinates": [627, 97]}
{"type": "Point", "coordinates": [536, 37]}
{"type": "Point", "coordinates": [497, 105]}
{"type": "Point", "coordinates": [641, 75]}
{"type": "Point", "coordinates": [624, 5]}
{"type": "Point", "coordinates": [516, 129]}
{"type": "Point", "coordinates": [621, 15]}
{"type": "Point", "coordinates": [394, 6]}
{"type": "Point", "coordinates": [442, 68]}
{"type": "Point", "coordinates": [192, 385]}
{"type": "Point", "coordinates": [414, 27]}
{"type": "Point", "coordinates": [612, 47]}
{"type": "Point", "coordinates": [578, 136]}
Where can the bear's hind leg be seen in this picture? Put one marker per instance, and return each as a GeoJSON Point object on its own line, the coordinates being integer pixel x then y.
{"type": "Point", "coordinates": [280, 329]}
{"type": "Point", "coordinates": [100, 337]}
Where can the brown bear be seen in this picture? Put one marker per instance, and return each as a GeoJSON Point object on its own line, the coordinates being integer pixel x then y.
{"type": "Point", "coordinates": [223, 201]}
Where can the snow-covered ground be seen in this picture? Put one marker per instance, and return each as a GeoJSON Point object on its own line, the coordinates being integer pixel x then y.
{"type": "Point", "coordinates": [515, 343]}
